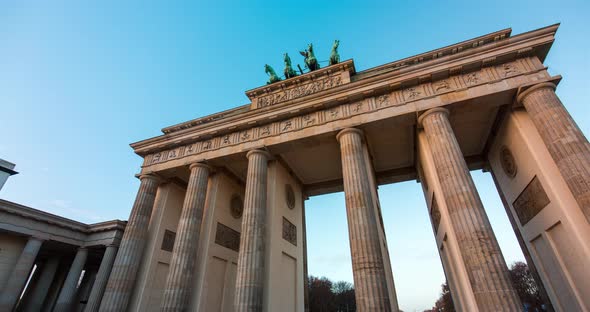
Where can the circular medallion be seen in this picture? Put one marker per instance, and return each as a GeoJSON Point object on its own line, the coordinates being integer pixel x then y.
{"type": "Point", "coordinates": [290, 196]}
{"type": "Point", "coordinates": [508, 162]}
{"type": "Point", "coordinates": [236, 206]}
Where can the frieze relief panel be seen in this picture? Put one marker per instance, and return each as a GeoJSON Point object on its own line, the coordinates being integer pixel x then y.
{"type": "Point", "coordinates": [530, 201]}
{"type": "Point", "coordinates": [289, 232]}
{"type": "Point", "coordinates": [227, 237]}
{"type": "Point", "coordinates": [299, 91]}
{"type": "Point", "coordinates": [398, 97]}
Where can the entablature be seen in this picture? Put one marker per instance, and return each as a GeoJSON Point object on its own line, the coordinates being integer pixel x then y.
{"type": "Point", "coordinates": [461, 70]}
{"type": "Point", "coordinates": [28, 221]}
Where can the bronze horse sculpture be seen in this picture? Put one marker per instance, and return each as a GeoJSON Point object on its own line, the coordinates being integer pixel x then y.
{"type": "Point", "coordinates": [334, 56]}
{"type": "Point", "coordinates": [272, 76]}
{"type": "Point", "coordinates": [310, 61]}
{"type": "Point", "coordinates": [288, 71]}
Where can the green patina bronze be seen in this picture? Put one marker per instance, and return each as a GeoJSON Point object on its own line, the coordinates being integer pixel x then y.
{"type": "Point", "coordinates": [334, 56]}
{"type": "Point", "coordinates": [289, 72]}
{"type": "Point", "coordinates": [310, 61]}
{"type": "Point", "coordinates": [272, 76]}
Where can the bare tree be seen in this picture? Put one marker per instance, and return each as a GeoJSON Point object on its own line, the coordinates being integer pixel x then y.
{"type": "Point", "coordinates": [344, 296]}
{"type": "Point", "coordinates": [326, 296]}
{"type": "Point", "coordinates": [523, 283]}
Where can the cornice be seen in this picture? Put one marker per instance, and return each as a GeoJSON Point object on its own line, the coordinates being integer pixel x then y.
{"type": "Point", "coordinates": [113, 225]}
{"type": "Point", "coordinates": [55, 220]}
{"type": "Point", "coordinates": [535, 43]}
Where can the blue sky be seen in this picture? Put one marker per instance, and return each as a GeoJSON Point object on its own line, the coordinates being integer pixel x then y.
{"type": "Point", "coordinates": [80, 80]}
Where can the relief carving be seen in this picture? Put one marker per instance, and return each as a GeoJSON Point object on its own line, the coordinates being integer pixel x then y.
{"type": "Point", "coordinates": [509, 69]}
{"type": "Point", "coordinates": [507, 161]}
{"type": "Point", "coordinates": [227, 237]}
{"type": "Point", "coordinates": [411, 93]}
{"type": "Point", "coordinates": [156, 157]}
{"type": "Point", "coordinates": [245, 135]}
{"type": "Point", "coordinates": [226, 139]}
{"type": "Point", "coordinates": [472, 78]}
{"type": "Point", "coordinates": [236, 206]}
{"type": "Point", "coordinates": [289, 196]}
{"type": "Point", "coordinates": [287, 125]}
{"type": "Point", "coordinates": [308, 120]}
{"type": "Point", "coordinates": [382, 100]}
{"type": "Point", "coordinates": [265, 130]}
{"type": "Point", "coordinates": [299, 91]}
{"type": "Point", "coordinates": [357, 107]}
{"type": "Point", "coordinates": [531, 201]}
{"type": "Point", "coordinates": [334, 113]}
{"type": "Point", "coordinates": [289, 232]}
{"type": "Point", "coordinates": [441, 86]}
{"type": "Point", "coordinates": [323, 116]}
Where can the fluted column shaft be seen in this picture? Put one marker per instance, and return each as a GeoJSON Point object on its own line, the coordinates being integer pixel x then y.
{"type": "Point", "coordinates": [250, 275]}
{"type": "Point", "coordinates": [19, 275]}
{"type": "Point", "coordinates": [484, 263]}
{"type": "Point", "coordinates": [368, 269]}
{"type": "Point", "coordinates": [564, 140]}
{"type": "Point", "coordinates": [68, 290]}
{"type": "Point", "coordinates": [41, 289]}
{"type": "Point", "coordinates": [122, 279]}
{"type": "Point", "coordinates": [101, 279]}
{"type": "Point", "coordinates": [180, 277]}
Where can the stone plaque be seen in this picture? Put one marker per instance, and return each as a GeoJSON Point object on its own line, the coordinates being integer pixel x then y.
{"type": "Point", "coordinates": [290, 196]}
{"type": "Point", "coordinates": [508, 162]}
{"type": "Point", "coordinates": [168, 240]}
{"type": "Point", "coordinates": [289, 231]}
{"type": "Point", "coordinates": [227, 237]}
{"type": "Point", "coordinates": [435, 214]}
{"type": "Point", "coordinates": [236, 206]}
{"type": "Point", "coordinates": [531, 201]}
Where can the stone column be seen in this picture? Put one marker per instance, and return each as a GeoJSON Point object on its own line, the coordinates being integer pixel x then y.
{"type": "Point", "coordinates": [250, 275]}
{"type": "Point", "coordinates": [101, 279]}
{"type": "Point", "coordinates": [180, 277]}
{"type": "Point", "coordinates": [484, 263]}
{"type": "Point", "coordinates": [41, 289]}
{"type": "Point", "coordinates": [370, 281]}
{"type": "Point", "coordinates": [122, 279]}
{"type": "Point", "coordinates": [83, 292]}
{"type": "Point", "coordinates": [566, 143]}
{"type": "Point", "coordinates": [68, 290]}
{"type": "Point", "coordinates": [20, 274]}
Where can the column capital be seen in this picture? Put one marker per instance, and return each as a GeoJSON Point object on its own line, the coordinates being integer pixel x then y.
{"type": "Point", "coordinates": [259, 151]}
{"type": "Point", "coordinates": [431, 111]}
{"type": "Point", "coordinates": [151, 176]}
{"type": "Point", "coordinates": [349, 130]}
{"type": "Point", "coordinates": [200, 164]}
{"type": "Point", "coordinates": [37, 238]}
{"type": "Point", "coordinates": [524, 93]}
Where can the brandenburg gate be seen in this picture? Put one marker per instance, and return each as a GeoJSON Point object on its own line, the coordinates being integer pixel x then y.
{"type": "Point", "coordinates": [218, 223]}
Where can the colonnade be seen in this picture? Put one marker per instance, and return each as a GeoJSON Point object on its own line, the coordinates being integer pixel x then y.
{"type": "Point", "coordinates": [45, 280]}
{"type": "Point", "coordinates": [482, 259]}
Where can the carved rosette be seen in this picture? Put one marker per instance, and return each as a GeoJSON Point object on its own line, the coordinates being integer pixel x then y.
{"type": "Point", "coordinates": [236, 206]}
{"type": "Point", "coordinates": [289, 196]}
{"type": "Point", "coordinates": [507, 161]}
